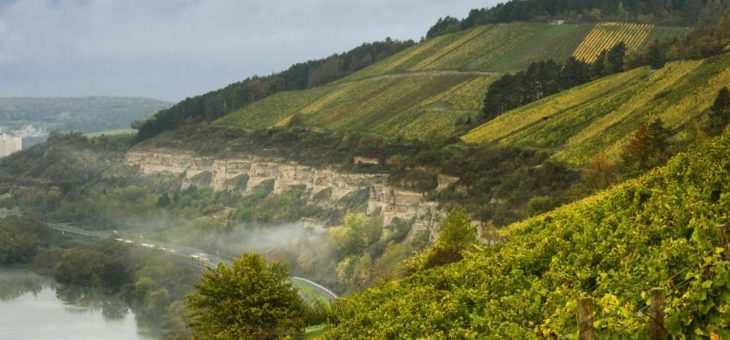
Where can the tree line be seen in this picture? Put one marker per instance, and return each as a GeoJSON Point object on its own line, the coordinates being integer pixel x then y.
{"type": "Point", "coordinates": [672, 12]}
{"type": "Point", "coordinates": [701, 43]}
{"type": "Point", "coordinates": [313, 73]}
{"type": "Point", "coordinates": [545, 78]}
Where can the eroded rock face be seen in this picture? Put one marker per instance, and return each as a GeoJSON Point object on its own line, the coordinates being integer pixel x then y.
{"type": "Point", "coordinates": [384, 199]}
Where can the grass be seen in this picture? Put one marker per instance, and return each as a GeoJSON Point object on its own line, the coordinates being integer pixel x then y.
{"type": "Point", "coordinates": [600, 116]}
{"type": "Point", "coordinates": [310, 294]}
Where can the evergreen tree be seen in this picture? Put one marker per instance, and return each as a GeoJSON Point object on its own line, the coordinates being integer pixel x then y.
{"type": "Point", "coordinates": [573, 73]}
{"type": "Point", "coordinates": [599, 67]}
{"type": "Point", "coordinates": [656, 55]}
{"type": "Point", "coordinates": [616, 57]}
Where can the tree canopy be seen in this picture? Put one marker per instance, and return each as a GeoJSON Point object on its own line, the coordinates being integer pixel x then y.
{"type": "Point", "coordinates": [674, 12]}
{"type": "Point", "coordinates": [251, 299]}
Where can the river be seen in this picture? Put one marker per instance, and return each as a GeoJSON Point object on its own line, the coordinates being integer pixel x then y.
{"type": "Point", "coordinates": [36, 307]}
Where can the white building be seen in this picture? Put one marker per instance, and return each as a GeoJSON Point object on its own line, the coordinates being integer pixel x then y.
{"type": "Point", "coordinates": [9, 144]}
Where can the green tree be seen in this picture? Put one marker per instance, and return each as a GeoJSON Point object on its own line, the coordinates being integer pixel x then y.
{"type": "Point", "coordinates": [719, 113]}
{"type": "Point", "coordinates": [163, 201]}
{"type": "Point", "coordinates": [20, 238]}
{"type": "Point", "coordinates": [456, 234]}
{"type": "Point", "coordinates": [616, 57]}
{"type": "Point", "coordinates": [81, 267]}
{"type": "Point", "coordinates": [457, 230]}
{"type": "Point", "coordinates": [251, 299]}
{"type": "Point", "coordinates": [656, 55]}
{"type": "Point", "coordinates": [350, 238]}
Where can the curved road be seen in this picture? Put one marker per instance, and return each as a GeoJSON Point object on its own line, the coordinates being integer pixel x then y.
{"type": "Point", "coordinates": [197, 256]}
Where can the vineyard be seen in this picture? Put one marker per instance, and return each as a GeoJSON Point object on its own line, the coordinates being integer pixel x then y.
{"type": "Point", "coordinates": [492, 48]}
{"type": "Point", "coordinates": [414, 106]}
{"type": "Point", "coordinates": [426, 90]}
{"type": "Point", "coordinates": [598, 117]}
{"type": "Point", "coordinates": [667, 229]}
{"type": "Point", "coordinates": [606, 35]}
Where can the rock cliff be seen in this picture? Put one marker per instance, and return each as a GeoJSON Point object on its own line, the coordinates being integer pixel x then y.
{"type": "Point", "coordinates": [385, 200]}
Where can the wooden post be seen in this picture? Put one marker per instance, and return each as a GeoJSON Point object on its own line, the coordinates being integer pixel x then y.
{"type": "Point", "coordinates": [585, 319]}
{"type": "Point", "coordinates": [656, 314]}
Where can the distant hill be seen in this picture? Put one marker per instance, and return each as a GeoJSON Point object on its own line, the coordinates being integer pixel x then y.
{"type": "Point", "coordinates": [37, 116]}
{"type": "Point", "coordinates": [433, 88]}
{"type": "Point", "coordinates": [600, 116]}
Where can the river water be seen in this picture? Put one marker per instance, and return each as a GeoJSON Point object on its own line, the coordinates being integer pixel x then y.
{"type": "Point", "coordinates": [35, 307]}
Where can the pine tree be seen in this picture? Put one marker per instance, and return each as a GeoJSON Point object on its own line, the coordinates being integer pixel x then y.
{"type": "Point", "coordinates": [657, 56]}
{"type": "Point", "coordinates": [616, 57]}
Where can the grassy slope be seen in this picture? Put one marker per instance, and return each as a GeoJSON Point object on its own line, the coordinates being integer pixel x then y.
{"type": "Point", "coordinates": [598, 117]}
{"type": "Point", "coordinates": [422, 91]}
{"type": "Point", "coordinates": [666, 229]}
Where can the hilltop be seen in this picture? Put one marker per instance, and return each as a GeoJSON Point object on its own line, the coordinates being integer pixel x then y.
{"type": "Point", "coordinates": [434, 88]}
{"type": "Point", "coordinates": [666, 229]}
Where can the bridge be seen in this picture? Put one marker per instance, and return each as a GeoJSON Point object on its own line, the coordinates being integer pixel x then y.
{"type": "Point", "coordinates": [191, 255]}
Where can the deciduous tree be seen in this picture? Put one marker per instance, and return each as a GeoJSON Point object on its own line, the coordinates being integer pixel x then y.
{"type": "Point", "coordinates": [251, 299]}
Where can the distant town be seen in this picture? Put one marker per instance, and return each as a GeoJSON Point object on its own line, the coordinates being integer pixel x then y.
{"type": "Point", "coordinates": [9, 144]}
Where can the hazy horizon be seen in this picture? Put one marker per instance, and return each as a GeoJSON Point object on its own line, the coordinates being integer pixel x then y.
{"type": "Point", "coordinates": [170, 50]}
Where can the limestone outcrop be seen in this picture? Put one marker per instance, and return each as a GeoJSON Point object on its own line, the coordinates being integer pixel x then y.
{"type": "Point", "coordinates": [384, 199]}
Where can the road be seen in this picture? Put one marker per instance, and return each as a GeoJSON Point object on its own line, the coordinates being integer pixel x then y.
{"type": "Point", "coordinates": [196, 256]}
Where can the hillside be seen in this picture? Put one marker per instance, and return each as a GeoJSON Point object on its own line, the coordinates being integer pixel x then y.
{"type": "Point", "coordinates": [428, 90]}
{"type": "Point", "coordinates": [666, 229]}
{"type": "Point", "coordinates": [603, 36]}
{"type": "Point", "coordinates": [82, 114]}
{"type": "Point", "coordinates": [598, 117]}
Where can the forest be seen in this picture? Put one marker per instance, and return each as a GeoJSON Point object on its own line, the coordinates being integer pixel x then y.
{"type": "Point", "coordinates": [675, 12]}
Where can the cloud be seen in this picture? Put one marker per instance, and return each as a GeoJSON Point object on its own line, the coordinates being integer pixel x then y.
{"type": "Point", "coordinates": [171, 49]}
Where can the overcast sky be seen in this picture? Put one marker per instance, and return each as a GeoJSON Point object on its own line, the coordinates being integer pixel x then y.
{"type": "Point", "coordinates": [171, 49]}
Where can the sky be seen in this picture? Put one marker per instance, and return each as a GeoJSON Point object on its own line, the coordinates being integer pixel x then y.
{"type": "Point", "coordinates": [172, 49]}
